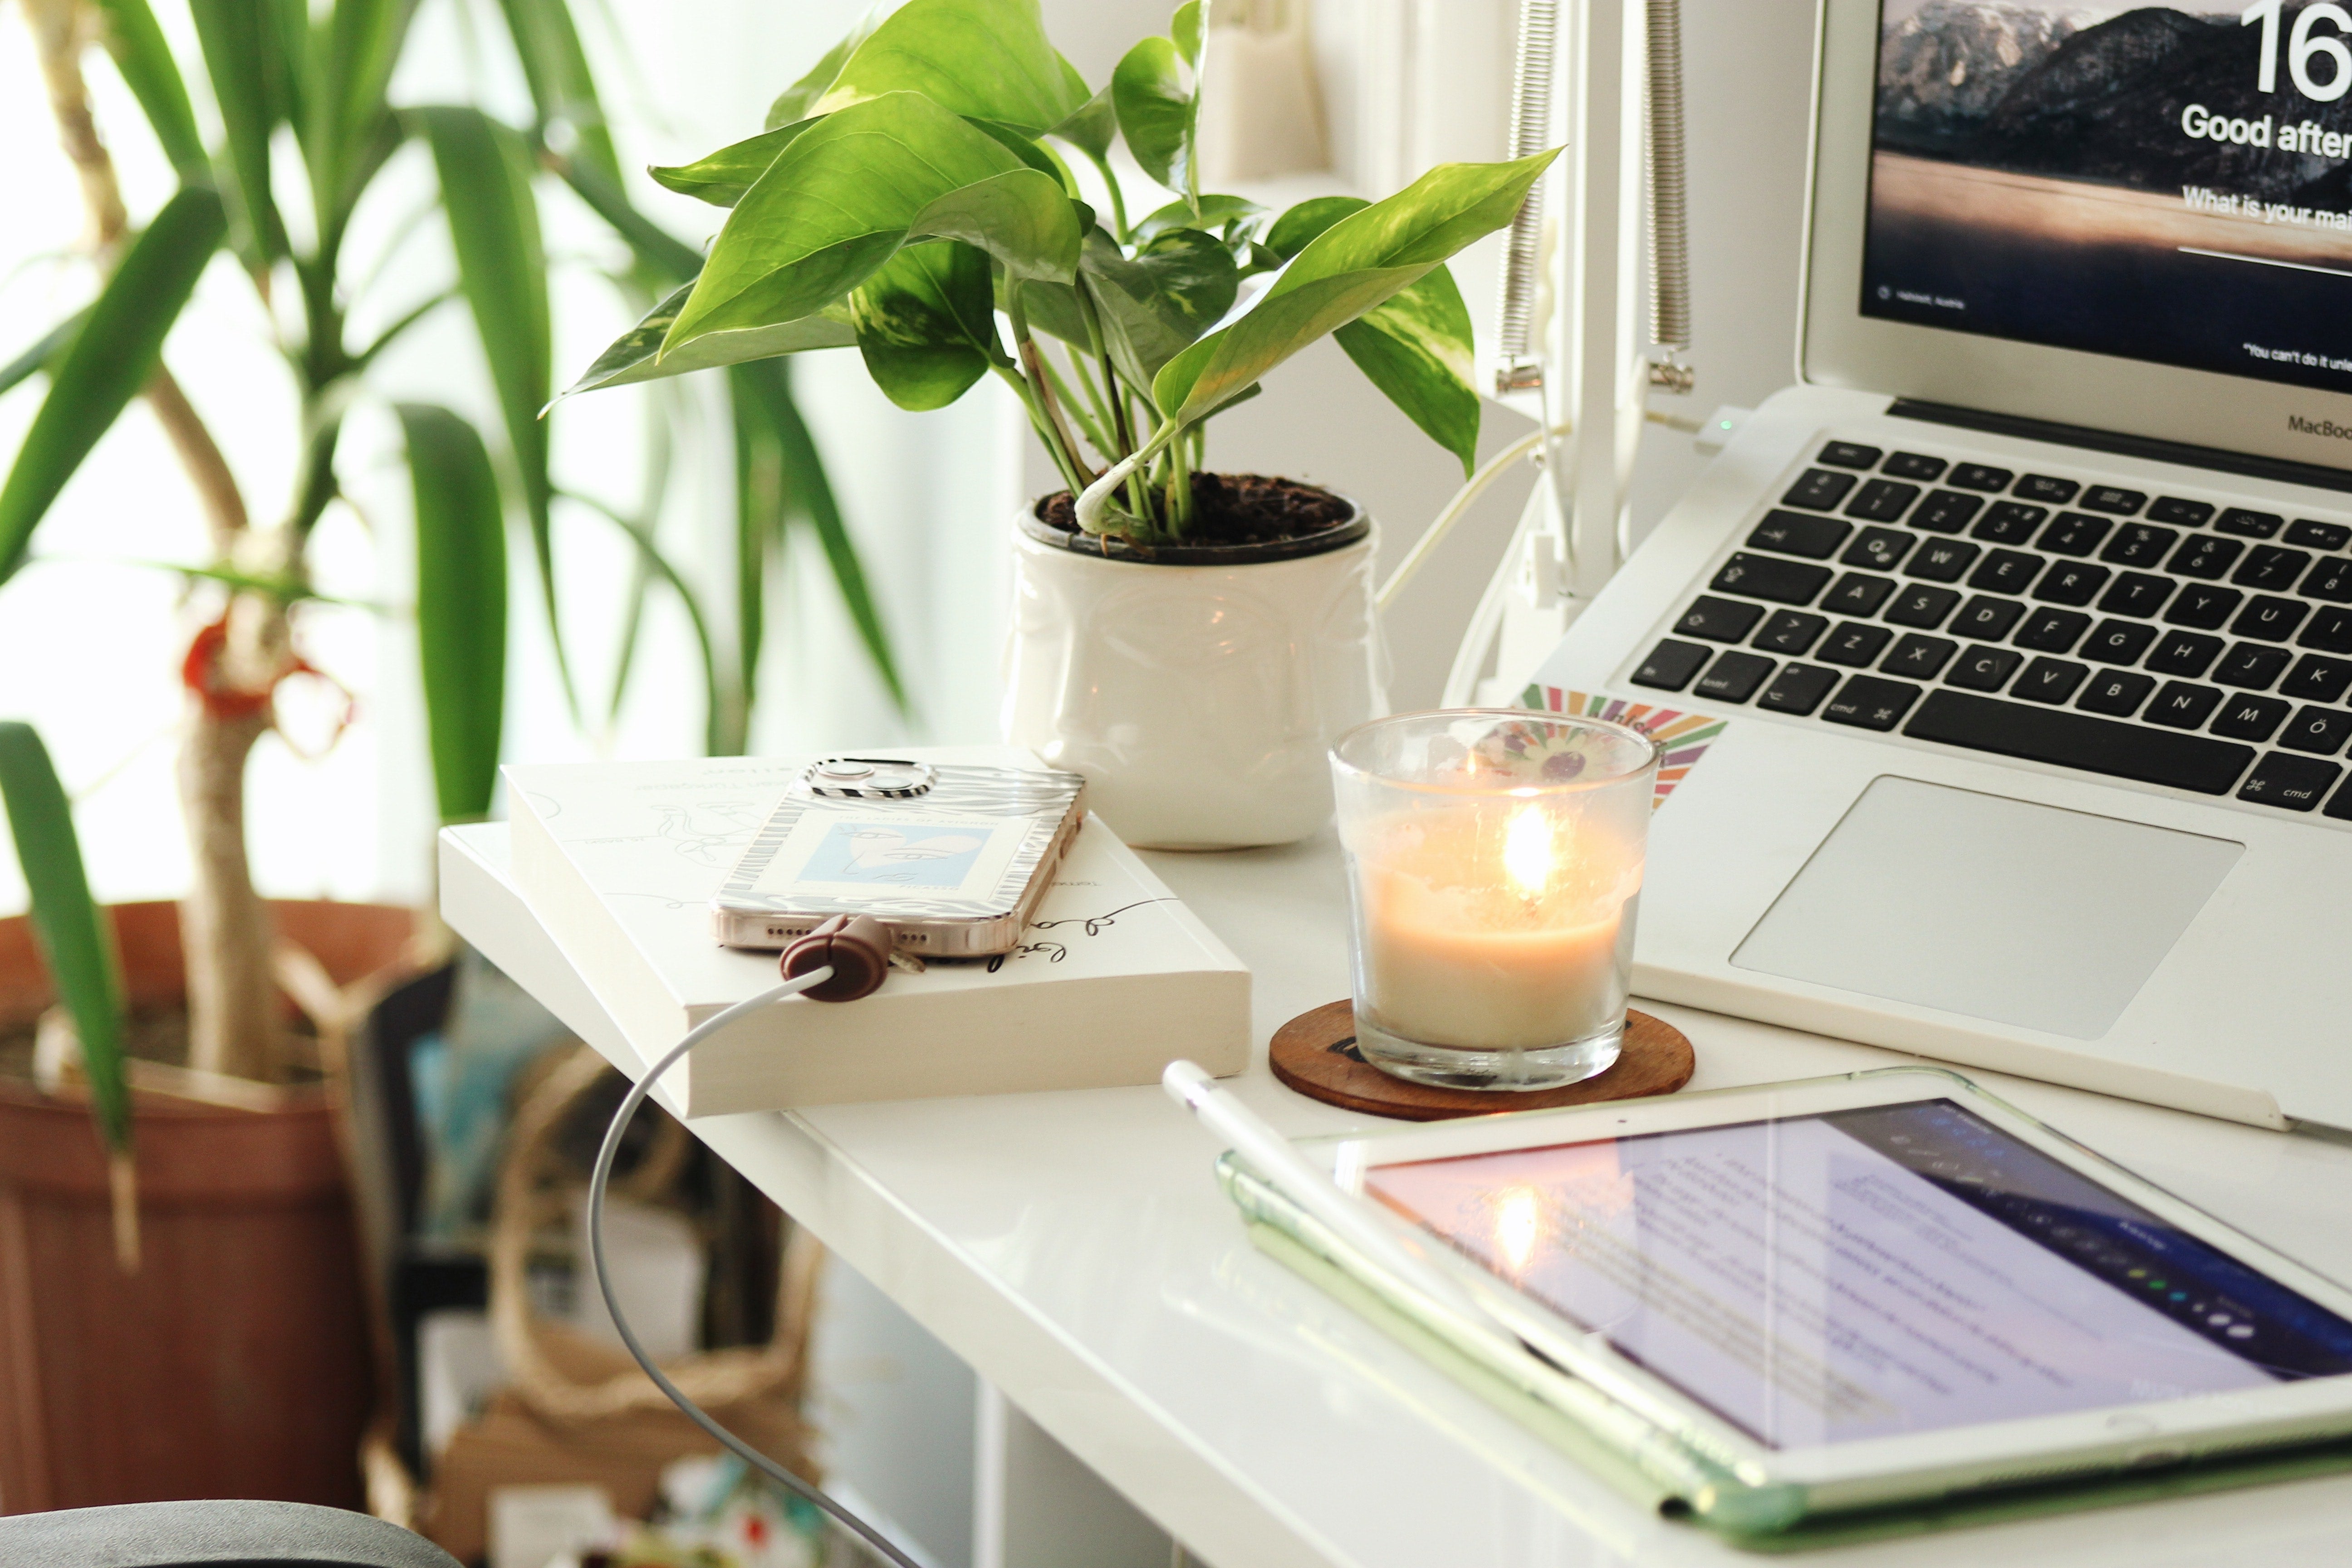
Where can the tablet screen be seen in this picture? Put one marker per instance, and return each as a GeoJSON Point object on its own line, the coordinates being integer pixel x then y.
{"type": "Point", "coordinates": [1863, 1273]}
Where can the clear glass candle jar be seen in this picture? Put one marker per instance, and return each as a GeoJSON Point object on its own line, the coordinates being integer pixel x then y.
{"type": "Point", "coordinates": [1494, 871]}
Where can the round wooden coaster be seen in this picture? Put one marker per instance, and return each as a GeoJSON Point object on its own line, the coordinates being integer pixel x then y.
{"type": "Point", "coordinates": [1316, 1054]}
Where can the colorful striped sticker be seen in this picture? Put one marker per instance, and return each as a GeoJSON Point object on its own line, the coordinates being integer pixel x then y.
{"type": "Point", "coordinates": [1684, 737]}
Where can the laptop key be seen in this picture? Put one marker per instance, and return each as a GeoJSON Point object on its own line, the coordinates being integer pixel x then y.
{"type": "Point", "coordinates": [1914, 466]}
{"type": "Point", "coordinates": [2139, 545]}
{"type": "Point", "coordinates": [2069, 740]}
{"type": "Point", "coordinates": [2004, 572]}
{"type": "Point", "coordinates": [1819, 490]}
{"type": "Point", "coordinates": [2180, 706]}
{"type": "Point", "coordinates": [2044, 486]}
{"type": "Point", "coordinates": [1919, 656]}
{"type": "Point", "coordinates": [1941, 560]}
{"type": "Point", "coordinates": [2008, 523]}
{"type": "Point", "coordinates": [2117, 694]}
{"type": "Point", "coordinates": [1795, 533]}
{"type": "Point", "coordinates": [2108, 498]}
{"type": "Point", "coordinates": [2271, 619]}
{"type": "Point", "coordinates": [2050, 680]}
{"type": "Point", "coordinates": [2206, 557]}
{"type": "Point", "coordinates": [2187, 513]}
{"type": "Point", "coordinates": [2071, 582]}
{"type": "Point", "coordinates": [1868, 703]}
{"type": "Point", "coordinates": [1987, 618]}
{"type": "Point", "coordinates": [2271, 568]}
{"type": "Point", "coordinates": [1770, 577]}
{"type": "Point", "coordinates": [1671, 665]}
{"type": "Point", "coordinates": [1849, 454]}
{"type": "Point", "coordinates": [1947, 511]}
{"type": "Point", "coordinates": [2251, 667]}
{"type": "Point", "coordinates": [1981, 477]}
{"type": "Point", "coordinates": [2319, 730]}
{"type": "Point", "coordinates": [1797, 689]}
{"type": "Point", "coordinates": [1790, 632]}
{"type": "Point", "coordinates": [2137, 593]}
{"type": "Point", "coordinates": [2318, 535]}
{"type": "Point", "coordinates": [2184, 653]}
{"type": "Point", "coordinates": [1921, 607]}
{"type": "Point", "coordinates": [1985, 668]}
{"type": "Point", "coordinates": [2318, 679]}
{"type": "Point", "coordinates": [2118, 642]}
{"type": "Point", "coordinates": [1734, 676]}
{"type": "Point", "coordinates": [1856, 594]}
{"type": "Point", "coordinates": [2250, 718]}
{"type": "Point", "coordinates": [2294, 782]}
{"type": "Point", "coordinates": [2330, 580]}
{"type": "Point", "coordinates": [2340, 808]}
{"type": "Point", "coordinates": [2202, 606]}
{"type": "Point", "coordinates": [2053, 631]}
{"type": "Point", "coordinates": [1883, 548]}
{"type": "Point", "coordinates": [1855, 644]}
{"type": "Point", "coordinates": [2330, 631]}
{"type": "Point", "coordinates": [2073, 533]}
{"type": "Point", "coordinates": [1719, 620]}
{"type": "Point", "coordinates": [1882, 500]}
{"type": "Point", "coordinates": [2250, 524]}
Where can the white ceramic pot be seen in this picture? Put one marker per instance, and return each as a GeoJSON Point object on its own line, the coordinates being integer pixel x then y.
{"type": "Point", "coordinates": [1198, 691]}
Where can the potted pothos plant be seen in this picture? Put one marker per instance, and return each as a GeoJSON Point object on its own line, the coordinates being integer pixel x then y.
{"type": "Point", "coordinates": [162, 1370]}
{"type": "Point", "coordinates": [939, 194]}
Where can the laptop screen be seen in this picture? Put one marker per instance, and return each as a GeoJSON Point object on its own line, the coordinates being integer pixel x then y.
{"type": "Point", "coordinates": [2163, 182]}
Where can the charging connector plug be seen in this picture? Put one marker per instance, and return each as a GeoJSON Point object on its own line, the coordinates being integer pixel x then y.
{"type": "Point", "coordinates": [856, 948]}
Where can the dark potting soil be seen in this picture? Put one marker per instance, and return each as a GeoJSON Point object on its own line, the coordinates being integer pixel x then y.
{"type": "Point", "coordinates": [1236, 508]}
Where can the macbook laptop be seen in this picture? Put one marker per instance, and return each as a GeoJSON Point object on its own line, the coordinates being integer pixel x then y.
{"type": "Point", "coordinates": [2029, 608]}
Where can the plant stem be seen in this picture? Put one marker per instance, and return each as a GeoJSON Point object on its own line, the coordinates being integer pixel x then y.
{"type": "Point", "coordinates": [1118, 203]}
{"type": "Point", "coordinates": [1021, 388]}
{"type": "Point", "coordinates": [1097, 496]}
{"type": "Point", "coordinates": [1032, 372]}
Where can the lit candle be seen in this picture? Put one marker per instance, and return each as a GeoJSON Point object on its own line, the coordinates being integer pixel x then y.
{"type": "Point", "coordinates": [1494, 889]}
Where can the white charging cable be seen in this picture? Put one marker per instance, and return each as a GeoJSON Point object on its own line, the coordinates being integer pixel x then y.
{"type": "Point", "coordinates": [596, 1184]}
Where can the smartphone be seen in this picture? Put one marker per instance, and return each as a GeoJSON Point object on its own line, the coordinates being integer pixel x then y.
{"type": "Point", "coordinates": [953, 859]}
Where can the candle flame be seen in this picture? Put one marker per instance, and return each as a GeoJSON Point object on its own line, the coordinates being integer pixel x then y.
{"type": "Point", "coordinates": [1527, 852]}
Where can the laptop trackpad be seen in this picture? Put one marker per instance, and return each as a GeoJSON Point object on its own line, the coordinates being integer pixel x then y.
{"type": "Point", "coordinates": [1997, 908]}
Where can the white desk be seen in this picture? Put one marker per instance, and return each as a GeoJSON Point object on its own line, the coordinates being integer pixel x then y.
{"type": "Point", "coordinates": [1076, 1251]}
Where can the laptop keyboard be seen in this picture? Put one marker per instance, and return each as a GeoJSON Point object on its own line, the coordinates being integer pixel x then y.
{"type": "Point", "coordinates": [2168, 640]}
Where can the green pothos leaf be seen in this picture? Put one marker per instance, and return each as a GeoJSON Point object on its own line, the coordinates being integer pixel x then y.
{"type": "Point", "coordinates": [925, 325]}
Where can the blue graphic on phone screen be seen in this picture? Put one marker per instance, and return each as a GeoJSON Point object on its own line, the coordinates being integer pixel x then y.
{"type": "Point", "coordinates": [895, 854]}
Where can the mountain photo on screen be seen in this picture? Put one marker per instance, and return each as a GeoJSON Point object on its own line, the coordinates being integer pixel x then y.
{"type": "Point", "coordinates": [2157, 183]}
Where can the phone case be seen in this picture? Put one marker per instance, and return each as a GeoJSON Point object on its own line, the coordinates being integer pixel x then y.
{"type": "Point", "coordinates": [955, 871]}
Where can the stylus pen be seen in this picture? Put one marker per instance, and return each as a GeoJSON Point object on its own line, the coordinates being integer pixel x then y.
{"type": "Point", "coordinates": [1696, 1480]}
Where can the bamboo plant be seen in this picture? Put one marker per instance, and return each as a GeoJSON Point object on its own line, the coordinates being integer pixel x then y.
{"type": "Point", "coordinates": [917, 197]}
{"type": "Point", "coordinates": [307, 85]}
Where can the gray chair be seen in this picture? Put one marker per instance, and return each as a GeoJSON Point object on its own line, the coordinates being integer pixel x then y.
{"type": "Point", "coordinates": [212, 1535]}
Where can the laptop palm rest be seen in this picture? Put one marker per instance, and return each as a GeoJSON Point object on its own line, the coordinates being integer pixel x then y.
{"type": "Point", "coordinates": [1996, 908]}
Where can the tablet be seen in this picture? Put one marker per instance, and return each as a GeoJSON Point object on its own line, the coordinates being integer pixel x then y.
{"type": "Point", "coordinates": [1872, 1289]}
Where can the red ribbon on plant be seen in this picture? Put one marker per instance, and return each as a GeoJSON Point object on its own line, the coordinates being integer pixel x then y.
{"type": "Point", "coordinates": [200, 673]}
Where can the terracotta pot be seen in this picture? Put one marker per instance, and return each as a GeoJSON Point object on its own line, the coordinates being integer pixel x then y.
{"type": "Point", "coordinates": [235, 1363]}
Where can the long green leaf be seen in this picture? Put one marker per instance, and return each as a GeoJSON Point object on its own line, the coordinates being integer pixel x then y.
{"type": "Point", "coordinates": [925, 323]}
{"type": "Point", "coordinates": [763, 392]}
{"type": "Point", "coordinates": [1355, 265]}
{"type": "Point", "coordinates": [350, 119]}
{"type": "Point", "coordinates": [241, 46]}
{"type": "Point", "coordinates": [721, 178]}
{"type": "Point", "coordinates": [74, 941]}
{"type": "Point", "coordinates": [986, 58]}
{"type": "Point", "coordinates": [1228, 213]}
{"type": "Point", "coordinates": [107, 360]}
{"type": "Point", "coordinates": [562, 89]}
{"type": "Point", "coordinates": [43, 352]}
{"type": "Point", "coordinates": [1158, 116]}
{"type": "Point", "coordinates": [1417, 348]}
{"type": "Point", "coordinates": [1184, 30]}
{"type": "Point", "coordinates": [147, 66]}
{"type": "Point", "coordinates": [461, 604]}
{"type": "Point", "coordinates": [636, 356]}
{"type": "Point", "coordinates": [832, 209]}
{"type": "Point", "coordinates": [670, 257]}
{"type": "Point", "coordinates": [485, 171]}
{"type": "Point", "coordinates": [1023, 219]}
{"type": "Point", "coordinates": [1156, 304]}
